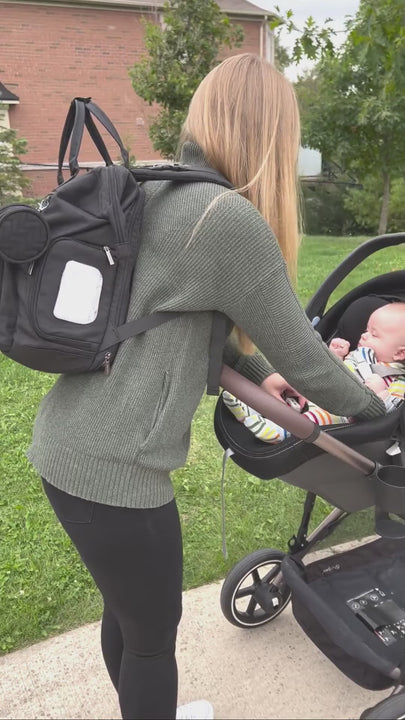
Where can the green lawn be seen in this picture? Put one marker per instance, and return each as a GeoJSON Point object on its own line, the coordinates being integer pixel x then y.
{"type": "Point", "coordinates": [43, 586]}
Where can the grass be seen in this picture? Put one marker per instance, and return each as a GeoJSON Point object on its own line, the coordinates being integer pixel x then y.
{"type": "Point", "coordinates": [44, 588]}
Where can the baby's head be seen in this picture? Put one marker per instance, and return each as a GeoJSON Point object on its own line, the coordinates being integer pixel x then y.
{"type": "Point", "coordinates": [385, 333]}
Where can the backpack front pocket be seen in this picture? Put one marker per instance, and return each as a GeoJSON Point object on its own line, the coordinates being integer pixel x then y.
{"type": "Point", "coordinates": [72, 292]}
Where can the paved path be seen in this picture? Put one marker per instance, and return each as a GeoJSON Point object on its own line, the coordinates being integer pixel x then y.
{"type": "Point", "coordinates": [271, 672]}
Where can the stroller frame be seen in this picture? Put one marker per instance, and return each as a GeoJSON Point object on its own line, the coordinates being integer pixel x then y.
{"type": "Point", "coordinates": [270, 593]}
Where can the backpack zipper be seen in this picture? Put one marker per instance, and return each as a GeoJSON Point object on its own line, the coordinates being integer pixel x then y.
{"type": "Point", "coordinates": [109, 254]}
{"type": "Point", "coordinates": [122, 240]}
{"type": "Point", "coordinates": [119, 229]}
{"type": "Point", "coordinates": [106, 249]}
{"type": "Point", "coordinates": [107, 363]}
{"type": "Point", "coordinates": [43, 204]}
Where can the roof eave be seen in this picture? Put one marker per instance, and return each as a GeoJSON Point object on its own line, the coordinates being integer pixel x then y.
{"type": "Point", "coordinates": [148, 7]}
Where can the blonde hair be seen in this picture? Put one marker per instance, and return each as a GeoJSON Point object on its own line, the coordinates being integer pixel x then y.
{"type": "Point", "coordinates": [244, 117]}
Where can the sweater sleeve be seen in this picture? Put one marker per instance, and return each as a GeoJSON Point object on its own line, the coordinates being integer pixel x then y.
{"type": "Point", "coordinates": [255, 367]}
{"type": "Point", "coordinates": [248, 281]}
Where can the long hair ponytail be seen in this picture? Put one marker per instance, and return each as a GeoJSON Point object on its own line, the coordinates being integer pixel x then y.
{"type": "Point", "coordinates": [244, 116]}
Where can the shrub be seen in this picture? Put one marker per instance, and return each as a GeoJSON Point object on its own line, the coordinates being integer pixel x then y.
{"type": "Point", "coordinates": [13, 182]}
{"type": "Point", "coordinates": [325, 213]}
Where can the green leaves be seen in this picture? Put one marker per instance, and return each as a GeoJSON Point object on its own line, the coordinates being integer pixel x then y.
{"type": "Point", "coordinates": [365, 205]}
{"type": "Point", "coordinates": [313, 42]}
{"type": "Point", "coordinates": [354, 112]}
{"type": "Point", "coordinates": [180, 53]}
{"type": "Point", "coordinates": [12, 180]}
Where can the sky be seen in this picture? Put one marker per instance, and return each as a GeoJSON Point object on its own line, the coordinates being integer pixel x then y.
{"type": "Point", "coordinates": [320, 11]}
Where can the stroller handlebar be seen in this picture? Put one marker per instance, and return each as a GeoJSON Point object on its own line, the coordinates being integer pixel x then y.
{"type": "Point", "coordinates": [292, 421]}
{"type": "Point", "coordinates": [317, 304]}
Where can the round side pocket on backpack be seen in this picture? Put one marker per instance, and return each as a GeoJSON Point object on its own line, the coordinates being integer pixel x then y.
{"type": "Point", "coordinates": [24, 234]}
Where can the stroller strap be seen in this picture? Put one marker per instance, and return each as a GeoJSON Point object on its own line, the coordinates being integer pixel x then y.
{"type": "Point", "coordinates": [362, 362]}
{"type": "Point", "coordinates": [384, 370]}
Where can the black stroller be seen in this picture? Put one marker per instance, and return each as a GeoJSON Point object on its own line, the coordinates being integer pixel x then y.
{"type": "Point", "coordinates": [351, 603]}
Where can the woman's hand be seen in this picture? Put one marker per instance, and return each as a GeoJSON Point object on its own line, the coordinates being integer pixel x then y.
{"type": "Point", "coordinates": [279, 388]}
{"type": "Point", "coordinates": [376, 383]}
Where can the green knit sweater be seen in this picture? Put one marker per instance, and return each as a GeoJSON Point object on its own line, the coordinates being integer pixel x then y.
{"type": "Point", "coordinates": [114, 439]}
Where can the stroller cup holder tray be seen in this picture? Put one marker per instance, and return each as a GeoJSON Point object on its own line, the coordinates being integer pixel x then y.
{"type": "Point", "coordinates": [390, 500]}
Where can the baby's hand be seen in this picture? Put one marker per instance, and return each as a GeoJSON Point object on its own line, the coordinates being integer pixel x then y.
{"type": "Point", "coordinates": [376, 384]}
{"type": "Point", "coordinates": [339, 347]}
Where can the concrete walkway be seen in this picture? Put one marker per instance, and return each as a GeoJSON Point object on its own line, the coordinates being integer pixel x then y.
{"type": "Point", "coordinates": [270, 672]}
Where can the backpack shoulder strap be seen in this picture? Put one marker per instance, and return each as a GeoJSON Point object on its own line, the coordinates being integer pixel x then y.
{"type": "Point", "coordinates": [217, 342]}
{"type": "Point", "coordinates": [180, 173]}
{"type": "Point", "coordinates": [131, 328]}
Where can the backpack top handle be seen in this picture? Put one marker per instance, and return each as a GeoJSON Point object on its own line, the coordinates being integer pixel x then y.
{"type": "Point", "coordinates": [80, 116]}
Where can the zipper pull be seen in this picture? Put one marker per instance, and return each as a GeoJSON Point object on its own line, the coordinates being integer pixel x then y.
{"type": "Point", "coordinates": [43, 204]}
{"type": "Point", "coordinates": [30, 268]}
{"type": "Point", "coordinates": [107, 363]}
{"type": "Point", "coordinates": [109, 255]}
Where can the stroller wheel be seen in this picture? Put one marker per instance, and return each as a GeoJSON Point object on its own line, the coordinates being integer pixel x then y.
{"type": "Point", "coordinates": [249, 597]}
{"type": "Point", "coordinates": [393, 708]}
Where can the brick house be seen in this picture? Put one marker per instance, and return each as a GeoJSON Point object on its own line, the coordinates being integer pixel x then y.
{"type": "Point", "coordinates": [53, 50]}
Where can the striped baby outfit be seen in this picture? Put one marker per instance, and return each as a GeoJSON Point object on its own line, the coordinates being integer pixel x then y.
{"type": "Point", "coordinates": [361, 361]}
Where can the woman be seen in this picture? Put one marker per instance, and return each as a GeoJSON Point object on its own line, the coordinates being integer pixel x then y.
{"type": "Point", "coordinates": [105, 445]}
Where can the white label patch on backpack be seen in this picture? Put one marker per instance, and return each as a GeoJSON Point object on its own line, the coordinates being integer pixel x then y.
{"type": "Point", "coordinates": [79, 293]}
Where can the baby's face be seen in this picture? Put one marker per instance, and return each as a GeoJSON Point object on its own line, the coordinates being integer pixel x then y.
{"type": "Point", "coordinates": [385, 335]}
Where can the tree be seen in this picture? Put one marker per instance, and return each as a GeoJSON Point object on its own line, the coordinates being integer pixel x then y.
{"type": "Point", "coordinates": [355, 108]}
{"type": "Point", "coordinates": [365, 204]}
{"type": "Point", "coordinates": [312, 42]}
{"type": "Point", "coordinates": [281, 56]}
{"type": "Point", "coordinates": [12, 180]}
{"type": "Point", "coordinates": [181, 52]}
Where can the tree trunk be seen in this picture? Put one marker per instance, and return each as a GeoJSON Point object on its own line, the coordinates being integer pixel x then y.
{"type": "Point", "coordinates": [382, 227]}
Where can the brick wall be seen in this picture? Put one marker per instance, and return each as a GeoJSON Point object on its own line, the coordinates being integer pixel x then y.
{"type": "Point", "coordinates": [50, 54]}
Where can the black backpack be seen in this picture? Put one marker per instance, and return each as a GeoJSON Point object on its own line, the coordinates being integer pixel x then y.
{"type": "Point", "coordinates": [66, 269]}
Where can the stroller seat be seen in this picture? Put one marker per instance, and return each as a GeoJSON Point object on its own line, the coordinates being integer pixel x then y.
{"type": "Point", "coordinates": [307, 466]}
{"type": "Point", "coordinates": [304, 464]}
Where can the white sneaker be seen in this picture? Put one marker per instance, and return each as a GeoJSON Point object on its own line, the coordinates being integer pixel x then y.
{"type": "Point", "coordinates": [197, 710]}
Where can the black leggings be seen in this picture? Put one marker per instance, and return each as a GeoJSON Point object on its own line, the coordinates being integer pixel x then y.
{"type": "Point", "coordinates": [135, 558]}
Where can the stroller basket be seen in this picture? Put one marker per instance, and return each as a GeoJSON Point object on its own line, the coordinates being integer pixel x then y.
{"type": "Point", "coordinates": [352, 606]}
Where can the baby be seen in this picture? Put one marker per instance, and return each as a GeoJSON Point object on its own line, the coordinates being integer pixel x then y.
{"type": "Point", "coordinates": [381, 348]}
